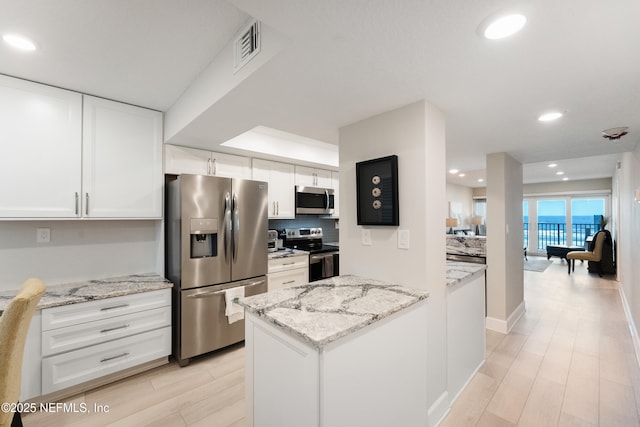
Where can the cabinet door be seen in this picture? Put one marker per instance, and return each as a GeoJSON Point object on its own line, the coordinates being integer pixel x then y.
{"type": "Point", "coordinates": [312, 177]}
{"type": "Point", "coordinates": [280, 177]}
{"type": "Point", "coordinates": [287, 279]}
{"type": "Point", "coordinates": [40, 150]}
{"type": "Point", "coordinates": [323, 178]}
{"type": "Point", "coordinates": [282, 186]}
{"type": "Point", "coordinates": [179, 160]}
{"type": "Point", "coordinates": [230, 166]}
{"type": "Point", "coordinates": [305, 176]}
{"type": "Point", "coordinates": [122, 160]}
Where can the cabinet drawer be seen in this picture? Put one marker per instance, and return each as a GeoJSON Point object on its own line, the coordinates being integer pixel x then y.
{"type": "Point", "coordinates": [74, 314]}
{"type": "Point", "coordinates": [286, 279]}
{"type": "Point", "coordinates": [75, 367]}
{"type": "Point", "coordinates": [288, 263]}
{"type": "Point", "coordinates": [77, 336]}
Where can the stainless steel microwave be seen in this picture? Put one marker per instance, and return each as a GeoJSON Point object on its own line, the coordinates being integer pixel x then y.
{"type": "Point", "coordinates": [314, 200]}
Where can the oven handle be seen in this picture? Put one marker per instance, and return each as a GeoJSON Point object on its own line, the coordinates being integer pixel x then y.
{"type": "Point", "coordinates": [214, 293]}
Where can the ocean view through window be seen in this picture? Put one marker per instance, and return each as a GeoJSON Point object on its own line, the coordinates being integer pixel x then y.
{"type": "Point", "coordinates": [561, 221]}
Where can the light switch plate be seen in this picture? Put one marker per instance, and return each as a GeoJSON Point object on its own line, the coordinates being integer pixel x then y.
{"type": "Point", "coordinates": [403, 239]}
{"type": "Point", "coordinates": [366, 237]}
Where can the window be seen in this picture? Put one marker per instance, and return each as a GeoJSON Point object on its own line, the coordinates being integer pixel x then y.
{"type": "Point", "coordinates": [566, 220]}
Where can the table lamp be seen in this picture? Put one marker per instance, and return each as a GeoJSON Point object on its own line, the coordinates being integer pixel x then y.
{"type": "Point", "coordinates": [477, 220]}
{"type": "Point", "coordinates": [452, 222]}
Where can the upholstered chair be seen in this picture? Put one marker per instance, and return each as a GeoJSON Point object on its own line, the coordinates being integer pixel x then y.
{"type": "Point", "coordinates": [595, 255]}
{"type": "Point", "coordinates": [14, 325]}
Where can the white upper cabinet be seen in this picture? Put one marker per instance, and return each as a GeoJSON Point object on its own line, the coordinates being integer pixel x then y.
{"type": "Point", "coordinates": [122, 160]}
{"type": "Point", "coordinates": [59, 159]}
{"type": "Point", "coordinates": [280, 177]}
{"type": "Point", "coordinates": [311, 177]}
{"type": "Point", "coordinates": [40, 150]}
{"type": "Point", "coordinates": [179, 160]}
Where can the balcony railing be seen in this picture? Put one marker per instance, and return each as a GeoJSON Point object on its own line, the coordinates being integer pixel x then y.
{"type": "Point", "coordinates": [556, 234]}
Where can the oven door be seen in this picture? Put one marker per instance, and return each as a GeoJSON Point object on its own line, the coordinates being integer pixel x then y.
{"type": "Point", "coordinates": [323, 265]}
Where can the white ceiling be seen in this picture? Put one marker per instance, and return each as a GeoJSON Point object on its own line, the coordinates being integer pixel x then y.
{"type": "Point", "coordinates": [349, 60]}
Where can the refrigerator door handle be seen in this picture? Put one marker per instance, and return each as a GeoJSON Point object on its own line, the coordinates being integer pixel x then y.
{"type": "Point", "coordinates": [227, 226]}
{"type": "Point", "coordinates": [236, 226]}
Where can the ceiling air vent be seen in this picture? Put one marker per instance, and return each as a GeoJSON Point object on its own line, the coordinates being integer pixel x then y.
{"type": "Point", "coordinates": [246, 46]}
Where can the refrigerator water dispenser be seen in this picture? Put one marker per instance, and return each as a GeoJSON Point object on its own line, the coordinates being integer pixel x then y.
{"type": "Point", "coordinates": [204, 237]}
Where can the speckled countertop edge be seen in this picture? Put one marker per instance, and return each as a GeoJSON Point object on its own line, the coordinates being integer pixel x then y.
{"type": "Point", "coordinates": [77, 292]}
{"type": "Point", "coordinates": [265, 306]}
{"type": "Point", "coordinates": [458, 272]}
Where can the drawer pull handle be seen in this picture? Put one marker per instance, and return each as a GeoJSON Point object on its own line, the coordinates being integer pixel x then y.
{"type": "Point", "coordinates": [114, 307]}
{"type": "Point", "coordinates": [106, 359]}
{"type": "Point", "coordinates": [104, 331]}
{"type": "Point", "coordinates": [288, 263]}
{"type": "Point", "coordinates": [290, 281]}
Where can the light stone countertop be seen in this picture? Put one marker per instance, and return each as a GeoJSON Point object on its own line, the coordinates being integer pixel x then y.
{"type": "Point", "coordinates": [286, 253]}
{"type": "Point", "coordinates": [73, 293]}
{"type": "Point", "coordinates": [326, 310]}
{"type": "Point", "coordinates": [458, 272]}
{"type": "Point", "coordinates": [466, 245]}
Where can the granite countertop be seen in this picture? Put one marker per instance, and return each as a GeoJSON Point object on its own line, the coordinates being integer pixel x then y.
{"type": "Point", "coordinates": [286, 253]}
{"type": "Point", "coordinates": [458, 272]}
{"type": "Point", "coordinates": [72, 293]}
{"type": "Point", "coordinates": [326, 310]}
{"type": "Point", "coordinates": [466, 245]}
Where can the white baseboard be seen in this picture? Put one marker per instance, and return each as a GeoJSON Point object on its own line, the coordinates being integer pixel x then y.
{"type": "Point", "coordinates": [632, 327]}
{"type": "Point", "coordinates": [505, 326]}
{"type": "Point", "coordinates": [439, 410]}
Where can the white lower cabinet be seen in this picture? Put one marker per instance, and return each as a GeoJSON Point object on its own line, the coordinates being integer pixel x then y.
{"type": "Point", "coordinates": [32, 361]}
{"type": "Point", "coordinates": [286, 279]}
{"type": "Point", "coordinates": [358, 380]}
{"type": "Point", "coordinates": [85, 341]}
{"type": "Point", "coordinates": [288, 271]}
{"type": "Point", "coordinates": [75, 367]}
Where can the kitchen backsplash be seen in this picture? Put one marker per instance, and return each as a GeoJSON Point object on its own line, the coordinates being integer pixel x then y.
{"type": "Point", "coordinates": [328, 225]}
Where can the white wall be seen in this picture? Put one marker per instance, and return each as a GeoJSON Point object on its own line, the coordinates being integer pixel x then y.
{"type": "Point", "coordinates": [78, 250]}
{"type": "Point", "coordinates": [627, 236]}
{"type": "Point", "coordinates": [416, 134]}
{"type": "Point", "coordinates": [463, 195]}
{"type": "Point", "coordinates": [505, 277]}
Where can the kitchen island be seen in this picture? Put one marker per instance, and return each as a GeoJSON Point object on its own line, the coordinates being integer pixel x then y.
{"type": "Point", "coordinates": [465, 323]}
{"type": "Point", "coordinates": [341, 351]}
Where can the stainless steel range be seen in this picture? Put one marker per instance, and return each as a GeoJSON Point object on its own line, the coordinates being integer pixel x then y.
{"type": "Point", "coordinates": [324, 260]}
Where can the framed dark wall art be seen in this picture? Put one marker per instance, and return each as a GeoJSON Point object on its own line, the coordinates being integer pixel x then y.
{"type": "Point", "coordinates": [377, 191]}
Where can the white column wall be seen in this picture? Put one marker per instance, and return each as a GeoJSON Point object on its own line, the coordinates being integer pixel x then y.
{"type": "Point", "coordinates": [416, 134]}
{"type": "Point", "coordinates": [505, 272]}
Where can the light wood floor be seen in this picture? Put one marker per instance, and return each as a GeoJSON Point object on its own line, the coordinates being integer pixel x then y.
{"type": "Point", "coordinates": [568, 362]}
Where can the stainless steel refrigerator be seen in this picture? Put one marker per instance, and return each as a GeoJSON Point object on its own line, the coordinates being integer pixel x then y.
{"type": "Point", "coordinates": [216, 243]}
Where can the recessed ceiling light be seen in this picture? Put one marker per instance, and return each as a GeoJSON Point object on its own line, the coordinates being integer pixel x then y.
{"type": "Point", "coordinates": [453, 171]}
{"type": "Point", "coordinates": [19, 42]}
{"type": "Point", "coordinates": [552, 165]}
{"type": "Point", "coordinates": [565, 179]}
{"type": "Point", "coordinates": [559, 173]}
{"type": "Point", "coordinates": [504, 26]}
{"type": "Point", "coordinates": [480, 180]}
{"type": "Point", "coordinates": [462, 175]}
{"type": "Point", "coordinates": [550, 116]}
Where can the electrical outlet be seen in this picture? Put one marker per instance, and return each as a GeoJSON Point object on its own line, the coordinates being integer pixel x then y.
{"type": "Point", "coordinates": [43, 235]}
